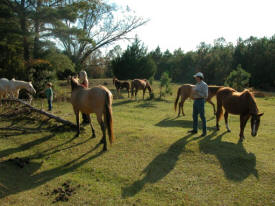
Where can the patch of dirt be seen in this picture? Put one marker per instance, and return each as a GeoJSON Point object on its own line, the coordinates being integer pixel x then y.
{"type": "Point", "coordinates": [20, 162]}
{"type": "Point", "coordinates": [64, 192]}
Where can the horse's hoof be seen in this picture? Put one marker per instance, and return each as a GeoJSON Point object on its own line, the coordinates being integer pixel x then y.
{"type": "Point", "coordinates": [93, 136]}
{"type": "Point", "coordinates": [228, 130]}
{"type": "Point", "coordinates": [104, 149]}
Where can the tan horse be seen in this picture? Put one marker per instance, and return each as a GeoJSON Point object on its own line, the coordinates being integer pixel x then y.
{"type": "Point", "coordinates": [96, 100]}
{"type": "Point", "coordinates": [239, 103]}
{"type": "Point", "coordinates": [121, 85]}
{"type": "Point", "coordinates": [142, 84]}
{"type": "Point", "coordinates": [185, 91]}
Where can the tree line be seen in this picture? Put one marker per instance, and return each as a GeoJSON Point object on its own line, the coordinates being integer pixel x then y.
{"type": "Point", "coordinates": [254, 58]}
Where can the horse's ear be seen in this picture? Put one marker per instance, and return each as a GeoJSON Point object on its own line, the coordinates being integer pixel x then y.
{"type": "Point", "coordinates": [261, 114]}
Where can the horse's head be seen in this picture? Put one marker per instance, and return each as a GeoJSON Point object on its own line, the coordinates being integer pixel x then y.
{"type": "Point", "coordinates": [74, 83]}
{"type": "Point", "coordinates": [149, 87]}
{"type": "Point", "coordinates": [30, 88]}
{"type": "Point", "coordinates": [255, 123]}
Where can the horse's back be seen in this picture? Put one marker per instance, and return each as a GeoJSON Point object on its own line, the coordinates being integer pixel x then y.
{"type": "Point", "coordinates": [233, 102]}
{"type": "Point", "coordinates": [91, 100]}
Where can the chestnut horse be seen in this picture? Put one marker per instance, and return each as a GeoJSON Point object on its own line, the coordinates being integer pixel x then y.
{"type": "Point", "coordinates": [185, 91]}
{"type": "Point", "coordinates": [121, 85]}
{"type": "Point", "coordinates": [96, 100]}
{"type": "Point", "coordinates": [142, 84]}
{"type": "Point", "coordinates": [239, 103]}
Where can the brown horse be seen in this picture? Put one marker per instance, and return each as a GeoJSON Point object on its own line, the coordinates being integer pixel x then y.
{"type": "Point", "coordinates": [142, 84]}
{"type": "Point", "coordinates": [121, 85]}
{"type": "Point", "coordinates": [239, 103]}
{"type": "Point", "coordinates": [185, 91]}
{"type": "Point", "coordinates": [96, 100]}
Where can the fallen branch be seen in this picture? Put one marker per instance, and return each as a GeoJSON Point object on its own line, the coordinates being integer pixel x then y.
{"type": "Point", "coordinates": [58, 119]}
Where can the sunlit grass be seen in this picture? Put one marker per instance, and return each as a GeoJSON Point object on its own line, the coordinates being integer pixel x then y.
{"type": "Point", "coordinates": [152, 162]}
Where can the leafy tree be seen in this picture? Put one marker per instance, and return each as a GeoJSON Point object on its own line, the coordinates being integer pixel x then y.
{"type": "Point", "coordinates": [238, 79]}
{"type": "Point", "coordinates": [134, 63]}
{"type": "Point", "coordinates": [97, 26]}
{"type": "Point", "coordinates": [60, 63]}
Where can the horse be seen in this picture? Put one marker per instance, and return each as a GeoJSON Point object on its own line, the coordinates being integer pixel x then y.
{"type": "Point", "coordinates": [185, 91]}
{"type": "Point", "coordinates": [12, 87]}
{"type": "Point", "coordinates": [96, 100]}
{"type": "Point", "coordinates": [238, 103]}
{"type": "Point", "coordinates": [140, 84]}
{"type": "Point", "coordinates": [121, 85]}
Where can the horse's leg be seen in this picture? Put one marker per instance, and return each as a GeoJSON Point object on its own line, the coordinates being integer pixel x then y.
{"type": "Point", "coordinates": [91, 124]}
{"type": "Point", "coordinates": [136, 91]}
{"type": "Point", "coordinates": [143, 93]}
{"type": "Point", "coordinates": [210, 102]}
{"type": "Point", "coordinates": [103, 129]}
{"type": "Point", "coordinates": [226, 121]}
{"type": "Point", "coordinates": [243, 121]}
{"type": "Point", "coordinates": [77, 122]}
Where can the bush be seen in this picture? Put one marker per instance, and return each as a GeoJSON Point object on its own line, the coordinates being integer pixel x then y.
{"type": "Point", "coordinates": [165, 82]}
{"type": "Point", "coordinates": [238, 79]}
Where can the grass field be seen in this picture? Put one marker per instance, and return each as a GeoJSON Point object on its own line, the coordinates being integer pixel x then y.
{"type": "Point", "coordinates": [152, 162]}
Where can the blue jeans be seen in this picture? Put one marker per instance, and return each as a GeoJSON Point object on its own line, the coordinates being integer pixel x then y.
{"type": "Point", "coordinates": [198, 108]}
{"type": "Point", "coordinates": [50, 104]}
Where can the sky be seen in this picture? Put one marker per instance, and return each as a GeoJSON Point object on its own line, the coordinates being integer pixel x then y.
{"type": "Point", "coordinates": [185, 24]}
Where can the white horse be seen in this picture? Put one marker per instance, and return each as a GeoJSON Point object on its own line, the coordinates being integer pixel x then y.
{"type": "Point", "coordinates": [12, 87]}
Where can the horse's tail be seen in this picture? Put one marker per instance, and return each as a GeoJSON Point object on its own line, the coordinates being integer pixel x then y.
{"type": "Point", "coordinates": [177, 99]}
{"type": "Point", "coordinates": [219, 107]}
{"type": "Point", "coordinates": [109, 117]}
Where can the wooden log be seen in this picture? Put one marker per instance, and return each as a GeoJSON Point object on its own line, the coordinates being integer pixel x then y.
{"type": "Point", "coordinates": [58, 119]}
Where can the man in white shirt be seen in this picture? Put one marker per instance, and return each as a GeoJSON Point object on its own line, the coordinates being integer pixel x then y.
{"type": "Point", "coordinates": [200, 94]}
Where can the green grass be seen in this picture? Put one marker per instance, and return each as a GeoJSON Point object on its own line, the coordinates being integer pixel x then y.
{"type": "Point", "coordinates": [152, 162]}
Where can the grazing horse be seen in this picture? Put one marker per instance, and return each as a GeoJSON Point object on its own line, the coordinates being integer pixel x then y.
{"type": "Point", "coordinates": [96, 100]}
{"type": "Point", "coordinates": [185, 91]}
{"type": "Point", "coordinates": [121, 85]}
{"type": "Point", "coordinates": [12, 87]}
{"type": "Point", "coordinates": [239, 103]}
{"type": "Point", "coordinates": [140, 84]}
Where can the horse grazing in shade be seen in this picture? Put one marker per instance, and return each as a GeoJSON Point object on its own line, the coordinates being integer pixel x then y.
{"type": "Point", "coordinates": [121, 85]}
{"type": "Point", "coordinates": [239, 103]}
{"type": "Point", "coordinates": [142, 84]}
{"type": "Point", "coordinates": [185, 91]}
{"type": "Point", "coordinates": [12, 87]}
{"type": "Point", "coordinates": [96, 100]}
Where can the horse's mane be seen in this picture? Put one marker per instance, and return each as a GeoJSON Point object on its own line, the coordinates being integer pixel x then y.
{"type": "Point", "coordinates": [253, 109]}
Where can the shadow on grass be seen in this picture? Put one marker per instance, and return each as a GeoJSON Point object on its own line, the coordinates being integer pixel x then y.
{"type": "Point", "coordinates": [14, 179]}
{"type": "Point", "coordinates": [235, 161]}
{"type": "Point", "coordinates": [146, 104]}
{"type": "Point", "coordinates": [159, 167]}
{"type": "Point", "coordinates": [122, 102]}
{"type": "Point", "coordinates": [174, 122]}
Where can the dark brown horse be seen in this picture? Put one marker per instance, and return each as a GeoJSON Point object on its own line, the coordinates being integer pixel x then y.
{"type": "Point", "coordinates": [121, 85]}
{"type": "Point", "coordinates": [142, 84]}
{"type": "Point", "coordinates": [185, 91]}
{"type": "Point", "coordinates": [96, 100]}
{"type": "Point", "coordinates": [239, 103]}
